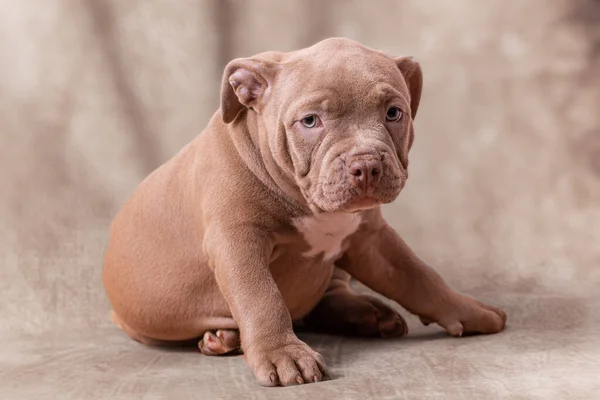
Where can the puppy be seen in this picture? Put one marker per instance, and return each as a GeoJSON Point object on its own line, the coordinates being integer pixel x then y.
{"type": "Point", "coordinates": [263, 218]}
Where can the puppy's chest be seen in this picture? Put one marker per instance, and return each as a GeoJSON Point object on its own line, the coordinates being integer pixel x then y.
{"type": "Point", "coordinates": [324, 233]}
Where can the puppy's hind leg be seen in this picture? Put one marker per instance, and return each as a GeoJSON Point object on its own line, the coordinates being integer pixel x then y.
{"type": "Point", "coordinates": [212, 343]}
{"type": "Point", "coordinates": [341, 311]}
{"type": "Point", "coordinates": [138, 337]}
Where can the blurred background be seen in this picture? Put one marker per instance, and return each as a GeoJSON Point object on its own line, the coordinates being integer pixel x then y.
{"type": "Point", "coordinates": [504, 191]}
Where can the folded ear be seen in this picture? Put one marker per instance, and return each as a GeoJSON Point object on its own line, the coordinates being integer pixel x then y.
{"type": "Point", "coordinates": [246, 84]}
{"type": "Point", "coordinates": [411, 70]}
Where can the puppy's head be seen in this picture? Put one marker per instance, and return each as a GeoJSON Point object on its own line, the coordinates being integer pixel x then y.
{"type": "Point", "coordinates": [338, 118]}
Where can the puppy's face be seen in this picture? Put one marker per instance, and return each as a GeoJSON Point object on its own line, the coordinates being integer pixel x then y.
{"type": "Point", "coordinates": [339, 120]}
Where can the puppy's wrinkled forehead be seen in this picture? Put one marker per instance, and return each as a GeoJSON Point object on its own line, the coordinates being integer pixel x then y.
{"type": "Point", "coordinates": [340, 70]}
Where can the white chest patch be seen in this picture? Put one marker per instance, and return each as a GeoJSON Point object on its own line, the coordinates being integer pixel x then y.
{"type": "Point", "coordinates": [325, 232]}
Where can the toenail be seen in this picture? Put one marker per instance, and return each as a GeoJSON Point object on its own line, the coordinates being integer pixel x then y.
{"type": "Point", "coordinates": [272, 377]}
{"type": "Point", "coordinates": [315, 378]}
{"type": "Point", "coordinates": [299, 380]}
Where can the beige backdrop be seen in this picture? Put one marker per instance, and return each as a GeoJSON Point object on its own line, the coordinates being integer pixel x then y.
{"type": "Point", "coordinates": [503, 198]}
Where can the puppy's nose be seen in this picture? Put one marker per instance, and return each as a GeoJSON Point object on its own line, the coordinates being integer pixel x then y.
{"type": "Point", "coordinates": [365, 172]}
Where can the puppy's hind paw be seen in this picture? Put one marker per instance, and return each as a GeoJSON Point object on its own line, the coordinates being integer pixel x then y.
{"type": "Point", "coordinates": [219, 342]}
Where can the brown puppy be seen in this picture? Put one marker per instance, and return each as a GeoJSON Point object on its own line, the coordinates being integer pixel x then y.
{"type": "Point", "coordinates": [263, 218]}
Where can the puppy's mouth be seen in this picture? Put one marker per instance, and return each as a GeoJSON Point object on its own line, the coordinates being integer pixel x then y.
{"type": "Point", "coordinates": [362, 203]}
{"type": "Point", "coordinates": [346, 198]}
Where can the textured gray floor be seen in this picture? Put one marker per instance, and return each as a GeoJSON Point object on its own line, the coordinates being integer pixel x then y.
{"type": "Point", "coordinates": [550, 350]}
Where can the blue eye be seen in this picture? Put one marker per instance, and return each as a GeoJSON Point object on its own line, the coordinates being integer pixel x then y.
{"type": "Point", "coordinates": [310, 121]}
{"type": "Point", "coordinates": [393, 114]}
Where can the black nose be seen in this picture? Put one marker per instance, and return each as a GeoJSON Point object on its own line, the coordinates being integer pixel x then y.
{"type": "Point", "coordinates": [365, 172]}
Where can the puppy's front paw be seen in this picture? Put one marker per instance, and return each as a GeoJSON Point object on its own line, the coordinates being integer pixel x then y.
{"type": "Point", "coordinates": [291, 363]}
{"type": "Point", "coordinates": [467, 316]}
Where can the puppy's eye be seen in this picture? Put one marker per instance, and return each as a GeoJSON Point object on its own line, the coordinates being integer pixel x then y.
{"type": "Point", "coordinates": [310, 121]}
{"type": "Point", "coordinates": [393, 114]}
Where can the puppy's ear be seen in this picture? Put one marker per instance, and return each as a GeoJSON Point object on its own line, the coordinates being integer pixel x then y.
{"type": "Point", "coordinates": [246, 84]}
{"type": "Point", "coordinates": [414, 80]}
